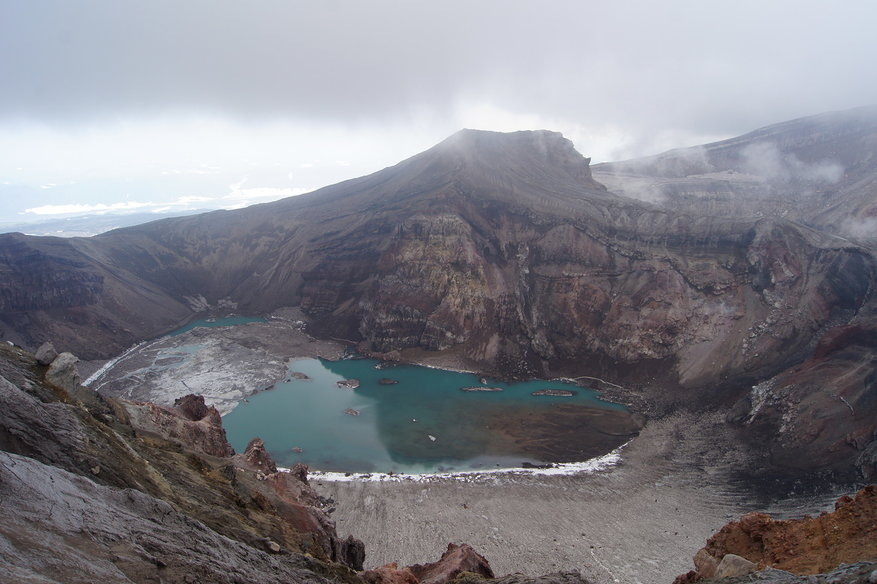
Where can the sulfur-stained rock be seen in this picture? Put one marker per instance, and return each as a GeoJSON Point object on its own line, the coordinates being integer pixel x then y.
{"type": "Point", "coordinates": [389, 574]}
{"type": "Point", "coordinates": [800, 546]}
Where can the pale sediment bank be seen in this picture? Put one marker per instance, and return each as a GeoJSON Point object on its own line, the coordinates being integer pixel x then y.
{"type": "Point", "coordinates": [598, 464]}
{"type": "Point", "coordinates": [638, 520]}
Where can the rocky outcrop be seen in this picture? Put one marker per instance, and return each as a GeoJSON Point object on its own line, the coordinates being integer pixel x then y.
{"type": "Point", "coordinates": [456, 560]}
{"type": "Point", "coordinates": [800, 546]}
{"type": "Point", "coordinates": [61, 527]}
{"type": "Point", "coordinates": [189, 423]}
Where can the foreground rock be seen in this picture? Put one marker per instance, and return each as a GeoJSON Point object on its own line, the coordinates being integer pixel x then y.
{"type": "Point", "coordinates": [119, 467]}
{"type": "Point", "coordinates": [800, 546]}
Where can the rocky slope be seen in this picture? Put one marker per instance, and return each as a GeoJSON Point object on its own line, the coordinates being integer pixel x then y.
{"type": "Point", "coordinates": [95, 489]}
{"type": "Point", "coordinates": [498, 251]}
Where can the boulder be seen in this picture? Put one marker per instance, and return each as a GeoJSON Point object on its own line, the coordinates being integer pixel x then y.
{"type": "Point", "coordinates": [705, 563]}
{"type": "Point", "coordinates": [733, 565]}
{"type": "Point", "coordinates": [62, 372]}
{"type": "Point", "coordinates": [46, 353]}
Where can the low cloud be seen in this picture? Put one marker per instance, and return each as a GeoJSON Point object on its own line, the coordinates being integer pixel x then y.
{"type": "Point", "coordinates": [764, 159]}
{"type": "Point", "coordinates": [861, 228]}
{"type": "Point", "coordinates": [77, 209]}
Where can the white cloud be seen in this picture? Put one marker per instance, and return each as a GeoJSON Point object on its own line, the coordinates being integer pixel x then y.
{"type": "Point", "coordinates": [241, 197]}
{"type": "Point", "coordinates": [74, 209]}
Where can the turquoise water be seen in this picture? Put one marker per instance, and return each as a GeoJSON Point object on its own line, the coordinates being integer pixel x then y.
{"type": "Point", "coordinates": [423, 423]}
{"type": "Point", "coordinates": [213, 322]}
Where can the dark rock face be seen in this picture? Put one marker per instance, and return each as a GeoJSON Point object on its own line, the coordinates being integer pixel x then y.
{"type": "Point", "coordinates": [40, 279]}
{"type": "Point", "coordinates": [821, 414]}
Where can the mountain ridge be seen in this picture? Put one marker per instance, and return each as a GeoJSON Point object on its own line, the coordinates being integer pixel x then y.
{"type": "Point", "coordinates": [500, 252]}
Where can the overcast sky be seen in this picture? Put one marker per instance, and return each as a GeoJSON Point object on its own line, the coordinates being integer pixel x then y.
{"type": "Point", "coordinates": [168, 104]}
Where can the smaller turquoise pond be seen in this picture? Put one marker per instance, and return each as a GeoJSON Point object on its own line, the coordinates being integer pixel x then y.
{"type": "Point", "coordinates": [412, 419]}
{"type": "Point", "coordinates": [215, 322]}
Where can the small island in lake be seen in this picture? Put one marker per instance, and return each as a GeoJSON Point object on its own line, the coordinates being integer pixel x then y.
{"type": "Point", "coordinates": [556, 392]}
{"type": "Point", "coordinates": [348, 383]}
{"type": "Point", "coordinates": [387, 381]}
{"type": "Point", "coordinates": [480, 388]}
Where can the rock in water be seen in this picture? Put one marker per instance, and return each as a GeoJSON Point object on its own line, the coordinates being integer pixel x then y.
{"type": "Point", "coordinates": [555, 392]}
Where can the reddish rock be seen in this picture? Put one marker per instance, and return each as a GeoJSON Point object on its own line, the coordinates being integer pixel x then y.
{"type": "Point", "coordinates": [805, 546]}
{"type": "Point", "coordinates": [458, 559]}
{"type": "Point", "coordinates": [389, 574]}
{"type": "Point", "coordinates": [192, 407]}
{"type": "Point", "coordinates": [258, 457]}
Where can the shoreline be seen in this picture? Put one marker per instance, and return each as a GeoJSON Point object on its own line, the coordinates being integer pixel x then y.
{"type": "Point", "coordinates": [640, 519]}
{"type": "Point", "coordinates": [596, 464]}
